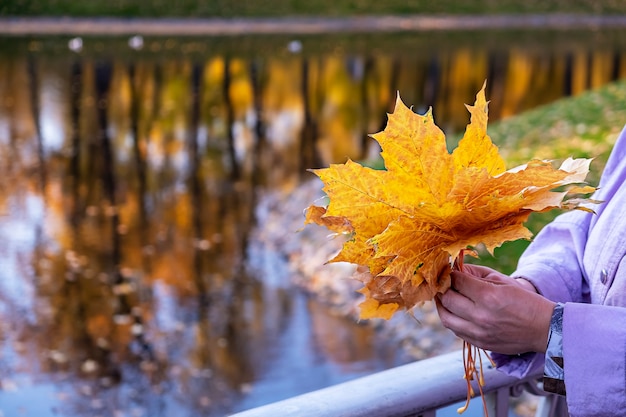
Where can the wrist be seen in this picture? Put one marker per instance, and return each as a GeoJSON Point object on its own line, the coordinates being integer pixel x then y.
{"type": "Point", "coordinates": [542, 322]}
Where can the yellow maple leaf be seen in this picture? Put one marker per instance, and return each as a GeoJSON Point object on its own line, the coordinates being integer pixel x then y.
{"type": "Point", "coordinates": [408, 223]}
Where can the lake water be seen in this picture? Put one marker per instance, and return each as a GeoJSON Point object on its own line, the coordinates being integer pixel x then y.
{"type": "Point", "coordinates": [135, 276]}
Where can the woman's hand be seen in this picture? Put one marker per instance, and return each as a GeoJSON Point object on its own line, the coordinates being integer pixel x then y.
{"type": "Point", "coordinates": [495, 312]}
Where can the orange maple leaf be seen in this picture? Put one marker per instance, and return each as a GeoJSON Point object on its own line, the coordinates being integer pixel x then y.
{"type": "Point", "coordinates": [409, 223]}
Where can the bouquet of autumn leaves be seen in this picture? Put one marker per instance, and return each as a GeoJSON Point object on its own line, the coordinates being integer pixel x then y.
{"type": "Point", "coordinates": [407, 225]}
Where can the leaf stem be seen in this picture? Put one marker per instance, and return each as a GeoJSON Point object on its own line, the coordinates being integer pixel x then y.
{"type": "Point", "coordinates": [470, 354]}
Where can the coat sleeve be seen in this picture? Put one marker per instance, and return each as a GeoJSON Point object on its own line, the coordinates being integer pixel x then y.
{"type": "Point", "coordinates": [553, 261]}
{"type": "Point", "coordinates": [553, 264]}
{"type": "Point", "coordinates": [594, 336]}
{"type": "Point", "coordinates": [594, 358]}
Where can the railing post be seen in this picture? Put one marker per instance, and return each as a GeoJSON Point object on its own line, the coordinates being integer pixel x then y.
{"type": "Point", "coordinates": [498, 402]}
{"type": "Point", "coordinates": [552, 406]}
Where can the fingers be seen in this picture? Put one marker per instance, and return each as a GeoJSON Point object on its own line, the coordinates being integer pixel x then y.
{"type": "Point", "coordinates": [462, 305]}
{"type": "Point", "coordinates": [465, 289]}
{"type": "Point", "coordinates": [468, 285]}
{"type": "Point", "coordinates": [455, 303]}
{"type": "Point", "coordinates": [460, 326]}
{"type": "Point", "coordinates": [477, 270]}
{"type": "Point", "coordinates": [475, 281]}
{"type": "Point", "coordinates": [448, 319]}
{"type": "Point", "coordinates": [485, 273]}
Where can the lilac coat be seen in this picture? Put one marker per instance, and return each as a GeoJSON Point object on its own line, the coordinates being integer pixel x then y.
{"type": "Point", "coordinates": [580, 259]}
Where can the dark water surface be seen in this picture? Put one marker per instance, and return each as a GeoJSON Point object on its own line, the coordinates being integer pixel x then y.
{"type": "Point", "coordinates": [132, 278]}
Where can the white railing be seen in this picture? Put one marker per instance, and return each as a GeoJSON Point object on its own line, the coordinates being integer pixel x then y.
{"type": "Point", "coordinates": [417, 389]}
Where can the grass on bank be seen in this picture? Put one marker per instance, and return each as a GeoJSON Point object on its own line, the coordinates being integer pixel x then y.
{"type": "Point", "coordinates": [275, 8]}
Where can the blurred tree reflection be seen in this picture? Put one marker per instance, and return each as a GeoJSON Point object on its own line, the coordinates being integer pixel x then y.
{"type": "Point", "coordinates": [141, 217]}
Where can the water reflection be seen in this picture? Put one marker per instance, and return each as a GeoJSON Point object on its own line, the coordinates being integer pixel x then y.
{"type": "Point", "coordinates": [130, 191]}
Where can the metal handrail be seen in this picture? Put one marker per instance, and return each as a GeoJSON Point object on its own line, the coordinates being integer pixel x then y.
{"type": "Point", "coordinates": [416, 389]}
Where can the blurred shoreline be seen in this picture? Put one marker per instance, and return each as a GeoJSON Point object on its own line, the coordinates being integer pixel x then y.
{"type": "Point", "coordinates": [104, 26]}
